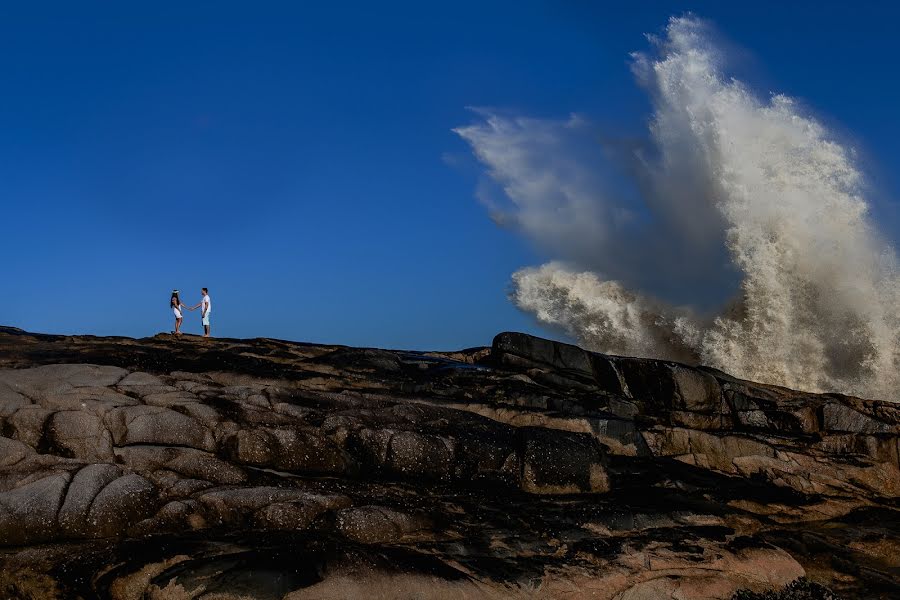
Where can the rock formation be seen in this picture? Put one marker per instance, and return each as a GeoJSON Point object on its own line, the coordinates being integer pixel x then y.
{"type": "Point", "coordinates": [189, 468]}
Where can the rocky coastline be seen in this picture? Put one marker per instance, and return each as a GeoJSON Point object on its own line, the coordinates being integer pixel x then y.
{"type": "Point", "coordinates": [225, 468]}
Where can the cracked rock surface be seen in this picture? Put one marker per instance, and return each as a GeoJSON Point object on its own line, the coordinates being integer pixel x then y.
{"type": "Point", "coordinates": [192, 468]}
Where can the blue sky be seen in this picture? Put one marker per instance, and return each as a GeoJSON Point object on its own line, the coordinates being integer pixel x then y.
{"type": "Point", "coordinates": [298, 160]}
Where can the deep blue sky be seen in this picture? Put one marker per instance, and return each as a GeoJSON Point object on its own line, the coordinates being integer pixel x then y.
{"type": "Point", "coordinates": [294, 158]}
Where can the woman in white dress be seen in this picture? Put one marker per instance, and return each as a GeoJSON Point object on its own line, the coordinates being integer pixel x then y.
{"type": "Point", "coordinates": [176, 305]}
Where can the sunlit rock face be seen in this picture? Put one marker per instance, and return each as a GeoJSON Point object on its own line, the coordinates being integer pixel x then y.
{"type": "Point", "coordinates": [189, 468]}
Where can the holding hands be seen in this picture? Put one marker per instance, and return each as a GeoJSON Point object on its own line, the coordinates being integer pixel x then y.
{"type": "Point", "coordinates": [205, 305]}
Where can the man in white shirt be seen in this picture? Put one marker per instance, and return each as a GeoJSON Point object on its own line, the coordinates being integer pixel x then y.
{"type": "Point", "coordinates": [205, 307]}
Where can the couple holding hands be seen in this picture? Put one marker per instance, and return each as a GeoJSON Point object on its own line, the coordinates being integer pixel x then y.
{"type": "Point", "coordinates": [205, 306]}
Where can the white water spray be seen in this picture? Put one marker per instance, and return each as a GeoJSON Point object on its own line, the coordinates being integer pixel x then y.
{"type": "Point", "coordinates": [731, 184]}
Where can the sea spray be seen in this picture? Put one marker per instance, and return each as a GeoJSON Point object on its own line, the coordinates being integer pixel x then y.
{"type": "Point", "coordinates": [816, 304]}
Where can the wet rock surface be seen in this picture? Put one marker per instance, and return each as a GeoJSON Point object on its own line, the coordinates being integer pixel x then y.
{"type": "Point", "coordinates": [189, 468]}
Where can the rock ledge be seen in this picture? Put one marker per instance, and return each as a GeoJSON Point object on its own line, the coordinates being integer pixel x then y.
{"type": "Point", "coordinates": [191, 468]}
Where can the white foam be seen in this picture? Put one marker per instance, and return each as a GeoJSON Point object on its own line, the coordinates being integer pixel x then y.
{"type": "Point", "coordinates": [818, 304]}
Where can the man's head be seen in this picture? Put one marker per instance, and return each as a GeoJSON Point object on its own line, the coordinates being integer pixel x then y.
{"type": "Point", "coordinates": [204, 291]}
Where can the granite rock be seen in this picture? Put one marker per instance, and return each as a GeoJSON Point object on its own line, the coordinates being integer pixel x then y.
{"type": "Point", "coordinates": [215, 468]}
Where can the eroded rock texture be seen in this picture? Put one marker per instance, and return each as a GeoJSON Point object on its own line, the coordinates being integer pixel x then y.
{"type": "Point", "coordinates": [190, 468]}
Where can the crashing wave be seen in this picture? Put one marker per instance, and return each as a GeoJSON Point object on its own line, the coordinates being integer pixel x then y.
{"type": "Point", "coordinates": [729, 185]}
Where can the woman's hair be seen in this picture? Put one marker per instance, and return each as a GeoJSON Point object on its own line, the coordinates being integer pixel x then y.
{"type": "Point", "coordinates": [174, 300]}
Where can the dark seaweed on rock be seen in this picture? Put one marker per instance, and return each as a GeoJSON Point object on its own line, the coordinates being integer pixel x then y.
{"type": "Point", "coordinates": [801, 589]}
